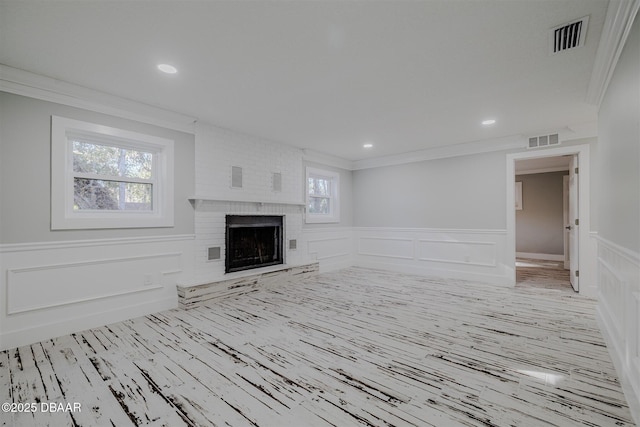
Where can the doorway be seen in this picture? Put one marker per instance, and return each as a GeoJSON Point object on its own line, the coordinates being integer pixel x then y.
{"type": "Point", "coordinates": [542, 218]}
{"type": "Point", "coordinates": [579, 233]}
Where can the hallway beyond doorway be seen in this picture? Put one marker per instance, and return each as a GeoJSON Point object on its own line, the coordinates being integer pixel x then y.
{"type": "Point", "coordinates": [543, 274]}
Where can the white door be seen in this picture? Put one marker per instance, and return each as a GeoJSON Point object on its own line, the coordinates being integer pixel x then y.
{"type": "Point", "coordinates": [573, 225]}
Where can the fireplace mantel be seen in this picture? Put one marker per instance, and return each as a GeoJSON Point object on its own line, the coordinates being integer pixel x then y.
{"type": "Point", "coordinates": [200, 199]}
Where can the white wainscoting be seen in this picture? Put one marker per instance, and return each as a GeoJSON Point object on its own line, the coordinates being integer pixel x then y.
{"type": "Point", "coordinates": [454, 253]}
{"type": "Point", "coordinates": [618, 313]}
{"type": "Point", "coordinates": [51, 289]}
{"type": "Point", "coordinates": [589, 267]}
{"type": "Point", "coordinates": [331, 247]}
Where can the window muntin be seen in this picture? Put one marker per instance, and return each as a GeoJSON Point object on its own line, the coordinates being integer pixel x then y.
{"type": "Point", "coordinates": [106, 177]}
{"type": "Point", "coordinates": [103, 195]}
{"type": "Point", "coordinates": [110, 177]}
{"type": "Point", "coordinates": [322, 196]}
{"type": "Point", "coordinates": [319, 195]}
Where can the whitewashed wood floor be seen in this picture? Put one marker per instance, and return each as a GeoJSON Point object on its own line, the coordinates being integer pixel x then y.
{"type": "Point", "coordinates": [533, 273]}
{"type": "Point", "coordinates": [354, 347]}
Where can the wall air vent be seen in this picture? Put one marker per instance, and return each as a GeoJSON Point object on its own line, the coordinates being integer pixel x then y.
{"type": "Point", "coordinates": [276, 182]}
{"type": "Point", "coordinates": [213, 253]}
{"type": "Point", "coordinates": [543, 141]}
{"type": "Point", "coordinates": [568, 36]}
{"type": "Point", "coordinates": [236, 177]}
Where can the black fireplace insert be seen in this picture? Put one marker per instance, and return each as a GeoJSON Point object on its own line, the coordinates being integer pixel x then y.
{"type": "Point", "coordinates": [253, 241]}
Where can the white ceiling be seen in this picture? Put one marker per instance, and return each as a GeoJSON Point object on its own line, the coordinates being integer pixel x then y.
{"type": "Point", "coordinates": [324, 75]}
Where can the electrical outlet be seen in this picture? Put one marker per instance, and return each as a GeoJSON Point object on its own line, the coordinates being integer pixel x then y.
{"type": "Point", "coordinates": [147, 280]}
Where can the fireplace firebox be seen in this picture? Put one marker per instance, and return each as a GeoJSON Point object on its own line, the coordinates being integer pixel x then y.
{"type": "Point", "coordinates": [253, 241]}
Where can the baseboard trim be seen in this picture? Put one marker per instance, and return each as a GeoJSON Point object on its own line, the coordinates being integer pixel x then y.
{"type": "Point", "coordinates": [327, 265]}
{"type": "Point", "coordinates": [545, 257]}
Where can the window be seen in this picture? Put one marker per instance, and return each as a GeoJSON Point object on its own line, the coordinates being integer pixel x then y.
{"type": "Point", "coordinates": [103, 177]}
{"type": "Point", "coordinates": [323, 201]}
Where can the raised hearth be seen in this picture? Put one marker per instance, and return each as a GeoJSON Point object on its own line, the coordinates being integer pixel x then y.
{"type": "Point", "coordinates": [195, 295]}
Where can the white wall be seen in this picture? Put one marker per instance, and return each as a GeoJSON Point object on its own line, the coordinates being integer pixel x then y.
{"type": "Point", "coordinates": [619, 218]}
{"type": "Point", "coordinates": [450, 202]}
{"type": "Point", "coordinates": [618, 124]}
{"type": "Point", "coordinates": [442, 217]}
{"type": "Point", "coordinates": [25, 169]}
{"type": "Point", "coordinates": [56, 282]}
{"type": "Point", "coordinates": [466, 192]}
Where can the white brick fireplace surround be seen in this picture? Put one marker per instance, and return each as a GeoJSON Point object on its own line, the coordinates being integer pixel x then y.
{"type": "Point", "coordinates": [242, 175]}
{"type": "Point", "coordinates": [210, 232]}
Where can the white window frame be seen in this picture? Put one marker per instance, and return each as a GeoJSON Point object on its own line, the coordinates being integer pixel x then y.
{"type": "Point", "coordinates": [334, 199]}
{"type": "Point", "coordinates": [63, 216]}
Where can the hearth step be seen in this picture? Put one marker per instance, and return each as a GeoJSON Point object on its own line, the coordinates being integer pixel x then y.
{"type": "Point", "coordinates": [192, 295]}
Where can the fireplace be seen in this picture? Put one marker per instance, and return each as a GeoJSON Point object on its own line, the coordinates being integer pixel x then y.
{"type": "Point", "coordinates": [253, 241]}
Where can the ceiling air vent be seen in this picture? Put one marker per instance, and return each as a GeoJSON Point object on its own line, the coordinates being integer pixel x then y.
{"type": "Point", "coordinates": [543, 141]}
{"type": "Point", "coordinates": [568, 36]}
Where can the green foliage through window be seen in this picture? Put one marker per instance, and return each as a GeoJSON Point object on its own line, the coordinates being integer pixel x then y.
{"type": "Point", "coordinates": [319, 195]}
{"type": "Point", "coordinates": [111, 178]}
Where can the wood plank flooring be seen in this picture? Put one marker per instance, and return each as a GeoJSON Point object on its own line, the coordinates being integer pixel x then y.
{"type": "Point", "coordinates": [535, 273]}
{"type": "Point", "coordinates": [349, 348]}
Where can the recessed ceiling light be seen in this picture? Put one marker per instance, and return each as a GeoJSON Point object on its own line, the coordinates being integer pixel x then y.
{"type": "Point", "coordinates": [367, 145]}
{"type": "Point", "coordinates": [488, 122]}
{"type": "Point", "coordinates": [166, 68]}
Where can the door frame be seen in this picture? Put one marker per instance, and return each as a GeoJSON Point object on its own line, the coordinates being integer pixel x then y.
{"type": "Point", "coordinates": [565, 220]}
{"type": "Point", "coordinates": [584, 202]}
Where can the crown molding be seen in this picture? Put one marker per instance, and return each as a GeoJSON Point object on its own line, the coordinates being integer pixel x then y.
{"type": "Point", "coordinates": [326, 159]}
{"type": "Point", "coordinates": [464, 149]}
{"type": "Point", "coordinates": [515, 142]}
{"type": "Point", "coordinates": [25, 83]}
{"type": "Point", "coordinates": [617, 25]}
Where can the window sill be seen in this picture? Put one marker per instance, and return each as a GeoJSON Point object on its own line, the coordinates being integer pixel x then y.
{"type": "Point", "coordinates": [94, 223]}
{"type": "Point", "coordinates": [321, 220]}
